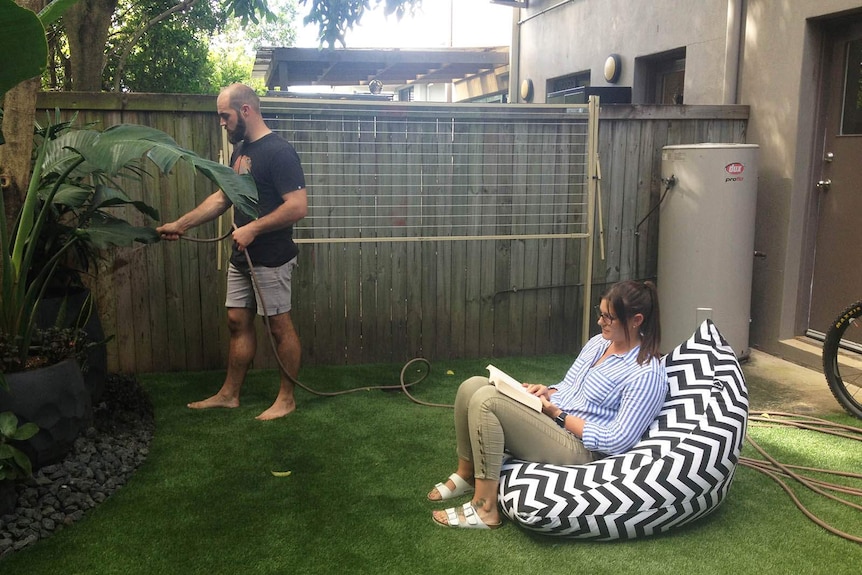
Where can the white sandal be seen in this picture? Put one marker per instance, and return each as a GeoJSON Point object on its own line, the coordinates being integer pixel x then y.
{"type": "Point", "coordinates": [471, 519]}
{"type": "Point", "coordinates": [461, 488]}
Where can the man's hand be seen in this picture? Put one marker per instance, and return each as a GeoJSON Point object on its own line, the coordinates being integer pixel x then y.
{"type": "Point", "coordinates": [243, 237]}
{"type": "Point", "coordinates": [171, 231]}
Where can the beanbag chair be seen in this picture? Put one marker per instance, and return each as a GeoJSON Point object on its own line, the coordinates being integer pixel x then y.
{"type": "Point", "coordinates": [679, 471]}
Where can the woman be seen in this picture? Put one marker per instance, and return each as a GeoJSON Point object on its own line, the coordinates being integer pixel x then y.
{"type": "Point", "coordinates": [607, 400]}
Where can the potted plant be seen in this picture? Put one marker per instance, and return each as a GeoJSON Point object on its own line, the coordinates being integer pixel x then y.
{"type": "Point", "coordinates": [82, 164]}
{"type": "Point", "coordinates": [14, 463]}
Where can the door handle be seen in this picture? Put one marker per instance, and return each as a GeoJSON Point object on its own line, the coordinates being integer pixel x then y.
{"type": "Point", "coordinates": [823, 185]}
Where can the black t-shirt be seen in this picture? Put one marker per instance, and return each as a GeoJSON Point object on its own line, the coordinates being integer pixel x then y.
{"type": "Point", "coordinates": [276, 169]}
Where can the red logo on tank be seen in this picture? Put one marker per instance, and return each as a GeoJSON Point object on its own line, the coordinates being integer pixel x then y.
{"type": "Point", "coordinates": [735, 168]}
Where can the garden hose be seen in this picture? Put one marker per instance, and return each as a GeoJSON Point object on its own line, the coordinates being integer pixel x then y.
{"type": "Point", "coordinates": [403, 384]}
{"type": "Point", "coordinates": [769, 466]}
{"type": "Point", "coordinates": [778, 471]}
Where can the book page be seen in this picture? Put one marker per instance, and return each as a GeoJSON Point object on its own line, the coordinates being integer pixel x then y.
{"type": "Point", "coordinates": [508, 385]}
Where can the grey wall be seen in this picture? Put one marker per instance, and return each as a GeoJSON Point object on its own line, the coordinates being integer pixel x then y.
{"type": "Point", "coordinates": [778, 78]}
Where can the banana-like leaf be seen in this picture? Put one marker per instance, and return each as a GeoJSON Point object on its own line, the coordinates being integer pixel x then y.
{"type": "Point", "coordinates": [62, 153]}
{"type": "Point", "coordinates": [20, 28]}
{"type": "Point", "coordinates": [121, 144]}
{"type": "Point", "coordinates": [106, 233]}
{"type": "Point", "coordinates": [107, 197]}
{"type": "Point", "coordinates": [68, 195]}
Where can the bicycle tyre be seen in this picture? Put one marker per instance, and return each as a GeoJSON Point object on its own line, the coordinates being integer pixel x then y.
{"type": "Point", "coordinates": [845, 383]}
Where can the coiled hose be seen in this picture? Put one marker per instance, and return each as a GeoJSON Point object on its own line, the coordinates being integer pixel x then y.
{"type": "Point", "coordinates": [403, 384]}
{"type": "Point", "coordinates": [769, 466]}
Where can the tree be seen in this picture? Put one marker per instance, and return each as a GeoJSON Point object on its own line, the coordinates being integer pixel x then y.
{"type": "Point", "coordinates": [162, 46]}
{"type": "Point", "coordinates": [335, 17]}
{"type": "Point", "coordinates": [19, 99]}
{"type": "Point", "coordinates": [88, 24]}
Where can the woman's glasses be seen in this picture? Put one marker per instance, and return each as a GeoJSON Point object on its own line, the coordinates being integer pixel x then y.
{"type": "Point", "coordinates": [602, 316]}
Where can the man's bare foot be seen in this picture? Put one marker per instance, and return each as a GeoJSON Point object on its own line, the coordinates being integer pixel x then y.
{"type": "Point", "coordinates": [278, 409]}
{"type": "Point", "coordinates": [215, 401]}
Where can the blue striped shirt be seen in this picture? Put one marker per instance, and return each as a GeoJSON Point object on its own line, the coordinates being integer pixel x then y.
{"type": "Point", "coordinates": [617, 399]}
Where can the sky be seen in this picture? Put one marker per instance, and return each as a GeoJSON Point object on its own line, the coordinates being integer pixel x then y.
{"type": "Point", "coordinates": [474, 23]}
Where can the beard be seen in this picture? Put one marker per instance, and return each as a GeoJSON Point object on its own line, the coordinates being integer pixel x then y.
{"type": "Point", "coordinates": [237, 134]}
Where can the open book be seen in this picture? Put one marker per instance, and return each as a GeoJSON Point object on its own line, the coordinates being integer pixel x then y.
{"type": "Point", "coordinates": [508, 385]}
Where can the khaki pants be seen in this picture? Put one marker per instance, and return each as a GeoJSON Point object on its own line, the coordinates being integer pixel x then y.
{"type": "Point", "coordinates": [487, 423]}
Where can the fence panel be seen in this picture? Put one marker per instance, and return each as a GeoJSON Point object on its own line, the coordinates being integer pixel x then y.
{"type": "Point", "coordinates": [408, 181]}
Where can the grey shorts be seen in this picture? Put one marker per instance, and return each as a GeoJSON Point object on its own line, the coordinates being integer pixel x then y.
{"type": "Point", "coordinates": [273, 283]}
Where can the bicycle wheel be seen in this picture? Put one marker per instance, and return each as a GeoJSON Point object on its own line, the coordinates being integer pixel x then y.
{"type": "Point", "coordinates": [842, 359]}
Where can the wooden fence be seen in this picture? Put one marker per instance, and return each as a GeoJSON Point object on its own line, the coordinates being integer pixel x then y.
{"type": "Point", "coordinates": [371, 301]}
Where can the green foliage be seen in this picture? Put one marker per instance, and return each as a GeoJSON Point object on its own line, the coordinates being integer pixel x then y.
{"type": "Point", "coordinates": [335, 17]}
{"type": "Point", "coordinates": [81, 167]}
{"type": "Point", "coordinates": [20, 27]}
{"type": "Point", "coordinates": [14, 464]}
{"type": "Point", "coordinates": [170, 59]}
{"type": "Point", "coordinates": [249, 10]}
{"type": "Point", "coordinates": [156, 50]}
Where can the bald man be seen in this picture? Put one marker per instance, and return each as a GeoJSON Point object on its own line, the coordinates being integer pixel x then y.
{"type": "Point", "coordinates": [268, 241]}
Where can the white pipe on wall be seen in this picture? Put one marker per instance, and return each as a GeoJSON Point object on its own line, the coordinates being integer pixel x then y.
{"type": "Point", "coordinates": [733, 49]}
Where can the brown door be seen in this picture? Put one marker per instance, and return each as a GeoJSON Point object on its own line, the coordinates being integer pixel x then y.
{"type": "Point", "coordinates": [837, 278]}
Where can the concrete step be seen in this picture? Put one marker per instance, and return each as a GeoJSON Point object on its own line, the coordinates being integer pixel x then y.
{"type": "Point", "coordinates": [802, 350]}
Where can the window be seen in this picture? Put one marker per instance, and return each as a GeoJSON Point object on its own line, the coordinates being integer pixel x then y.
{"type": "Point", "coordinates": [660, 78]}
{"type": "Point", "coordinates": [851, 116]}
{"type": "Point", "coordinates": [497, 98]}
{"type": "Point", "coordinates": [567, 89]}
{"type": "Point", "coordinates": [405, 95]}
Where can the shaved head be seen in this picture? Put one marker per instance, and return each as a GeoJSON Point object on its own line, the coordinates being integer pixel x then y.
{"type": "Point", "coordinates": [240, 95]}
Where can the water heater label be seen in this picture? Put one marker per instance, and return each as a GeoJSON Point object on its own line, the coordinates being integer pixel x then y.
{"type": "Point", "coordinates": [734, 172]}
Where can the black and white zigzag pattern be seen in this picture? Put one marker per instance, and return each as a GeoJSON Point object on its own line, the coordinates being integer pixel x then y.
{"type": "Point", "coordinates": [680, 471]}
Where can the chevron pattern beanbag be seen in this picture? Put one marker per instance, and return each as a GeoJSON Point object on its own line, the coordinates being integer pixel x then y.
{"type": "Point", "coordinates": [680, 471]}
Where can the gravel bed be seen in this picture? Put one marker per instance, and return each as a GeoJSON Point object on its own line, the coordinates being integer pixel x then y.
{"type": "Point", "coordinates": [100, 462]}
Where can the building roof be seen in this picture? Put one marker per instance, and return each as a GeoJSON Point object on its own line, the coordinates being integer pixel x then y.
{"type": "Point", "coordinates": [284, 67]}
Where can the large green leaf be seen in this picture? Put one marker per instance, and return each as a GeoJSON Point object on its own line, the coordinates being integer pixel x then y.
{"type": "Point", "coordinates": [54, 11]}
{"type": "Point", "coordinates": [109, 232]}
{"type": "Point", "coordinates": [62, 153]}
{"type": "Point", "coordinates": [22, 43]}
{"type": "Point", "coordinates": [70, 195]}
{"type": "Point", "coordinates": [108, 197]}
{"type": "Point", "coordinates": [121, 144]}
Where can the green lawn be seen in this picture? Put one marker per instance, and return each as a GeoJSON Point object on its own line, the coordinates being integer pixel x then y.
{"type": "Point", "coordinates": [205, 501]}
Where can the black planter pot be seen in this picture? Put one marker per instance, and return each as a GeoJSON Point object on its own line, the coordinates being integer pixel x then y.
{"type": "Point", "coordinates": [56, 399]}
{"type": "Point", "coordinates": [75, 300]}
{"type": "Point", "coordinates": [8, 497]}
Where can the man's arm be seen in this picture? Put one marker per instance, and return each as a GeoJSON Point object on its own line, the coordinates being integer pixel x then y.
{"type": "Point", "coordinates": [215, 205]}
{"type": "Point", "coordinates": [294, 207]}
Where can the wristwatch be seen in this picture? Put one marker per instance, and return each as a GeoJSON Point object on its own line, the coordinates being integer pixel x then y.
{"type": "Point", "coordinates": [561, 419]}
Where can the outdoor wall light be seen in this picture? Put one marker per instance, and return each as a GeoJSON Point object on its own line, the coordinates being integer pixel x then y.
{"type": "Point", "coordinates": [527, 90]}
{"type": "Point", "coordinates": [613, 67]}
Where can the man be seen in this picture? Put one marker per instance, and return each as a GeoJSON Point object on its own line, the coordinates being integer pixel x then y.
{"type": "Point", "coordinates": [268, 240]}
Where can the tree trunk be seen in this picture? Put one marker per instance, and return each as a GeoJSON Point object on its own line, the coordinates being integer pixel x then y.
{"type": "Point", "coordinates": [87, 24]}
{"type": "Point", "coordinates": [19, 115]}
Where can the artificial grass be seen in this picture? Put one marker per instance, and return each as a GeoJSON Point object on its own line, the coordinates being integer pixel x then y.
{"type": "Point", "coordinates": [205, 501]}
